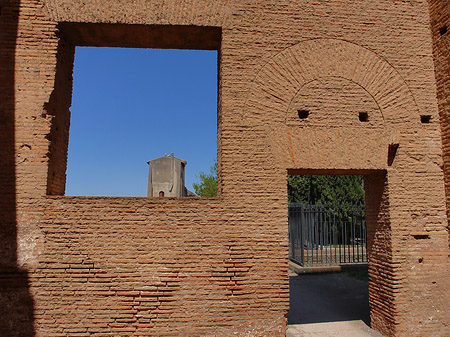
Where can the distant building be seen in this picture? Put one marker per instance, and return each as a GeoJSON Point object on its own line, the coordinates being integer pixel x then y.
{"type": "Point", "coordinates": [166, 175]}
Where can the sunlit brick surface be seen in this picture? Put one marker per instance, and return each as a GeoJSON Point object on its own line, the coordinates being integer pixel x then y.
{"type": "Point", "coordinates": [102, 266]}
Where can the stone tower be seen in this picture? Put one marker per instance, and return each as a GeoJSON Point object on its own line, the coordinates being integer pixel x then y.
{"type": "Point", "coordinates": [166, 174]}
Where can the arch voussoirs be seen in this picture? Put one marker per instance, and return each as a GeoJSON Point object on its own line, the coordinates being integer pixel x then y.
{"type": "Point", "coordinates": [310, 60]}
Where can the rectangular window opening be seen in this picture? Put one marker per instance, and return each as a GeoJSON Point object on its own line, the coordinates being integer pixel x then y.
{"type": "Point", "coordinates": [143, 120]}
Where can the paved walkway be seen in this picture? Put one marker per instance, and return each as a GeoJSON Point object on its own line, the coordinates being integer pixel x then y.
{"type": "Point", "coordinates": [332, 304]}
{"type": "Point", "coordinates": [332, 329]}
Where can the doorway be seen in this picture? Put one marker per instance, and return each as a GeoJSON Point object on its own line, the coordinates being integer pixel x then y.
{"type": "Point", "coordinates": [330, 236]}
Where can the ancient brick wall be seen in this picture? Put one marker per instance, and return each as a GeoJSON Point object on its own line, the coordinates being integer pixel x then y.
{"type": "Point", "coordinates": [440, 22]}
{"type": "Point", "coordinates": [148, 266]}
{"type": "Point", "coordinates": [16, 302]}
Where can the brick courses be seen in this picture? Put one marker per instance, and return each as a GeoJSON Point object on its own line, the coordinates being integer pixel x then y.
{"type": "Point", "coordinates": [107, 266]}
{"type": "Point", "coordinates": [440, 21]}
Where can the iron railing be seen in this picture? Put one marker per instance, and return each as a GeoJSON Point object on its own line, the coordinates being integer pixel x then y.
{"type": "Point", "coordinates": [327, 234]}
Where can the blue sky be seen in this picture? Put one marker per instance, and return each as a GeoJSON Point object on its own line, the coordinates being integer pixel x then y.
{"type": "Point", "coordinates": [133, 105]}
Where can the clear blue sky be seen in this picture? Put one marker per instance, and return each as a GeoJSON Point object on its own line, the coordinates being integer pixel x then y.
{"type": "Point", "coordinates": [133, 105]}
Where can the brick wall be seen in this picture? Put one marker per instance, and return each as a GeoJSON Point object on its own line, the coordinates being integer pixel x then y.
{"type": "Point", "coordinates": [16, 302]}
{"type": "Point", "coordinates": [148, 266]}
{"type": "Point", "coordinates": [159, 267]}
{"type": "Point", "coordinates": [440, 22]}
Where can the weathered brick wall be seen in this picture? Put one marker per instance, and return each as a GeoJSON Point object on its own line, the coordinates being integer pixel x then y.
{"type": "Point", "coordinates": [56, 111]}
{"type": "Point", "coordinates": [159, 267]}
{"type": "Point", "coordinates": [124, 266]}
{"type": "Point", "coordinates": [440, 23]}
{"type": "Point", "coordinates": [15, 299]}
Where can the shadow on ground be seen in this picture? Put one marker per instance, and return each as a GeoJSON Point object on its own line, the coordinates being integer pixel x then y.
{"type": "Point", "coordinates": [319, 298]}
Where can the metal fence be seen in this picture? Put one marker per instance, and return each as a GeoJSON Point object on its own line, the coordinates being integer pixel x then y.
{"type": "Point", "coordinates": [327, 234]}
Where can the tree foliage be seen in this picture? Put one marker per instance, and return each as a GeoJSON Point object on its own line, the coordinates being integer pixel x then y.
{"type": "Point", "coordinates": [307, 189]}
{"type": "Point", "coordinates": [342, 194]}
{"type": "Point", "coordinates": [207, 186]}
{"type": "Point", "coordinates": [325, 189]}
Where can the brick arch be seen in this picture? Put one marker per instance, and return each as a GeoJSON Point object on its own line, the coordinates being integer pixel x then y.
{"type": "Point", "coordinates": [287, 72]}
{"type": "Point", "coordinates": [334, 97]}
{"type": "Point", "coordinates": [331, 79]}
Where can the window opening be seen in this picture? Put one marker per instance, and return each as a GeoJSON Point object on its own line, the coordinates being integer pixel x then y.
{"type": "Point", "coordinates": [131, 106]}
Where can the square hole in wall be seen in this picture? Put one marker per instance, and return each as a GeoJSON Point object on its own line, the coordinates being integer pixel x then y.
{"type": "Point", "coordinates": [303, 114]}
{"type": "Point", "coordinates": [363, 116]}
{"type": "Point", "coordinates": [425, 119]}
{"type": "Point", "coordinates": [143, 118]}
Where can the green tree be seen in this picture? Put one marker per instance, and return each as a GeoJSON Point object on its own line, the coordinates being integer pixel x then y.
{"type": "Point", "coordinates": [299, 189]}
{"type": "Point", "coordinates": [207, 186]}
{"type": "Point", "coordinates": [325, 189]}
{"type": "Point", "coordinates": [341, 194]}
